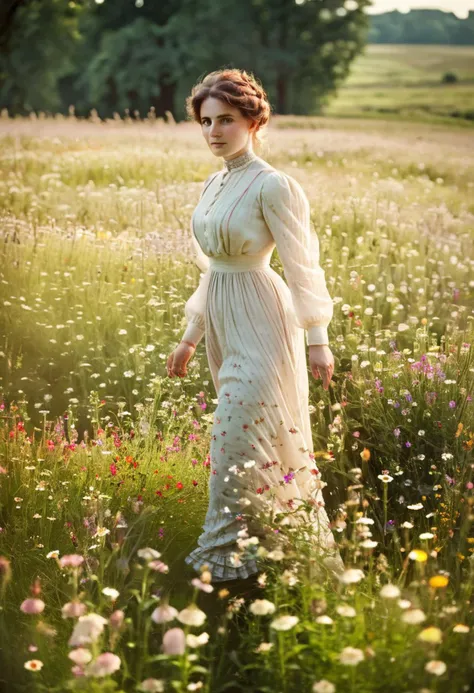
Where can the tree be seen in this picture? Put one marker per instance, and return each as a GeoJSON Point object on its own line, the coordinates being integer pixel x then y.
{"type": "Point", "coordinates": [116, 55]}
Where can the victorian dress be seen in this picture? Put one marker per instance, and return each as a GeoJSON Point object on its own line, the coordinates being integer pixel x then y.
{"type": "Point", "coordinates": [261, 450]}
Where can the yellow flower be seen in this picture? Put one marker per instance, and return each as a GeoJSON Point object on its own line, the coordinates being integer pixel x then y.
{"type": "Point", "coordinates": [365, 455]}
{"type": "Point", "coordinates": [418, 555]}
{"type": "Point", "coordinates": [431, 635]}
{"type": "Point", "coordinates": [438, 581]}
{"type": "Point", "coordinates": [223, 593]}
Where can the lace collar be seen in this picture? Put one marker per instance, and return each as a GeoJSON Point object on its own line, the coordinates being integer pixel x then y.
{"type": "Point", "coordinates": [241, 161]}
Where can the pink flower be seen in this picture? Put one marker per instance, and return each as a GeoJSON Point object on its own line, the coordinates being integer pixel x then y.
{"type": "Point", "coordinates": [80, 656]}
{"type": "Point", "coordinates": [174, 642]}
{"type": "Point", "coordinates": [164, 613]}
{"type": "Point", "coordinates": [71, 560]}
{"type": "Point", "coordinates": [105, 664]}
{"type": "Point", "coordinates": [73, 609]}
{"type": "Point", "coordinates": [32, 606]}
{"type": "Point", "coordinates": [116, 619]}
{"type": "Point", "coordinates": [159, 566]}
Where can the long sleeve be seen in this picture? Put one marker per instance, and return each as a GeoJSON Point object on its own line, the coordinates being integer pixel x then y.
{"type": "Point", "coordinates": [286, 211]}
{"type": "Point", "coordinates": [195, 306]}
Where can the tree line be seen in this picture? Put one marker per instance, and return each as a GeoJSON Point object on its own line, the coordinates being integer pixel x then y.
{"type": "Point", "coordinates": [130, 56]}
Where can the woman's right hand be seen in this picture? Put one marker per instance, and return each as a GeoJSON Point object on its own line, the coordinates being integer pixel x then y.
{"type": "Point", "coordinates": [178, 360]}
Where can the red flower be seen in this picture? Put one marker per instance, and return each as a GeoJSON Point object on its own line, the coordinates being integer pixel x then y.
{"type": "Point", "coordinates": [179, 485]}
{"type": "Point", "coordinates": [260, 490]}
{"type": "Point", "coordinates": [195, 483]}
{"type": "Point", "coordinates": [113, 469]}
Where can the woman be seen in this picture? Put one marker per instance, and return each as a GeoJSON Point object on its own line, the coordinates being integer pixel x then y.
{"type": "Point", "coordinates": [261, 445]}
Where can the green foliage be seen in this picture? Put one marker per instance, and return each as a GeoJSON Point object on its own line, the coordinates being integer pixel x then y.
{"type": "Point", "coordinates": [422, 26]}
{"type": "Point", "coordinates": [116, 56]}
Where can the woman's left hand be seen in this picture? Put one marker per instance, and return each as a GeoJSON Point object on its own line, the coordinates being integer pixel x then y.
{"type": "Point", "coordinates": [321, 362]}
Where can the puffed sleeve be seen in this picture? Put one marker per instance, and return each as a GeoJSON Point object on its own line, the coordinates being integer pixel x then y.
{"type": "Point", "coordinates": [286, 211]}
{"type": "Point", "coordinates": [195, 306]}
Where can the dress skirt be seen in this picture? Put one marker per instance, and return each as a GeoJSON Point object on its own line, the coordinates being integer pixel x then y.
{"type": "Point", "coordinates": [261, 444]}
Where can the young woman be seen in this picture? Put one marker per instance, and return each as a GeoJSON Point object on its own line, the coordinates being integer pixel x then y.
{"type": "Point", "coordinates": [254, 323]}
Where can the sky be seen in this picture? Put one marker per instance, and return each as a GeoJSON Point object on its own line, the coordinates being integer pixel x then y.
{"type": "Point", "coordinates": [459, 7]}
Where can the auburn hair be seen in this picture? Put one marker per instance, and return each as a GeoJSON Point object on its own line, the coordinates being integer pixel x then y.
{"type": "Point", "coordinates": [239, 89]}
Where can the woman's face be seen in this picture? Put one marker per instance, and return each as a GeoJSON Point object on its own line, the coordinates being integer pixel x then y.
{"type": "Point", "coordinates": [224, 124]}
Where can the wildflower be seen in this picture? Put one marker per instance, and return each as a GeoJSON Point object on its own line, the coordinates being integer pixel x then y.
{"type": "Point", "coordinates": [32, 606]}
{"type": "Point", "coordinates": [116, 619]}
{"type": "Point", "coordinates": [461, 628]}
{"type": "Point", "coordinates": [346, 610]}
{"type": "Point", "coordinates": [73, 609]}
{"type": "Point", "coordinates": [417, 506]}
{"type": "Point", "coordinates": [351, 656]}
{"type": "Point", "coordinates": [262, 607]}
{"type": "Point", "coordinates": [192, 616]}
{"type": "Point", "coordinates": [203, 586]}
{"type": "Point", "coordinates": [407, 525]}
{"type": "Point", "coordinates": [152, 686]}
{"type": "Point", "coordinates": [404, 603]}
{"type": "Point", "coordinates": [276, 555]}
{"type": "Point", "coordinates": [438, 581]}
{"type": "Point", "coordinates": [197, 640]}
{"type": "Point", "coordinates": [264, 647]}
{"type": "Point", "coordinates": [426, 535]}
{"type": "Point", "coordinates": [87, 630]}
{"type": "Point", "coordinates": [323, 686]}
{"type": "Point", "coordinates": [368, 544]}
{"type": "Point", "coordinates": [431, 634]}
{"type": "Point", "coordinates": [101, 532]}
{"type": "Point", "coordinates": [164, 613]}
{"type": "Point", "coordinates": [351, 575]}
{"type": "Point", "coordinates": [111, 592]}
{"type": "Point", "coordinates": [364, 521]}
{"type": "Point", "coordinates": [390, 591]}
{"type": "Point", "coordinates": [33, 665]}
{"type": "Point", "coordinates": [148, 554]}
{"type": "Point", "coordinates": [174, 642]}
{"type": "Point", "coordinates": [80, 655]}
{"type": "Point", "coordinates": [435, 666]}
{"type": "Point", "coordinates": [386, 478]}
{"type": "Point", "coordinates": [52, 554]}
{"type": "Point", "coordinates": [418, 556]}
{"type": "Point", "coordinates": [284, 622]}
{"type": "Point", "coordinates": [324, 620]}
{"type": "Point", "coordinates": [72, 560]}
{"type": "Point", "coordinates": [105, 664]}
{"type": "Point", "coordinates": [158, 566]}
{"type": "Point", "coordinates": [288, 578]}
{"type": "Point", "coordinates": [365, 455]}
{"type": "Point", "coordinates": [414, 616]}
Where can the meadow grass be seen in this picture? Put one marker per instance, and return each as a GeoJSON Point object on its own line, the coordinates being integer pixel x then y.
{"type": "Point", "coordinates": [102, 456]}
{"type": "Point", "coordinates": [405, 81]}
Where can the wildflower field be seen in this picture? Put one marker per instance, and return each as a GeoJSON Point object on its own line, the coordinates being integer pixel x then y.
{"type": "Point", "coordinates": [104, 460]}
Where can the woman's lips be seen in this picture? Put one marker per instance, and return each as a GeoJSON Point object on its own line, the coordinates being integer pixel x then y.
{"type": "Point", "coordinates": [218, 144]}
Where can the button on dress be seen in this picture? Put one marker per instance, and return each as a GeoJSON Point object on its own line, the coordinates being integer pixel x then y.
{"type": "Point", "coordinates": [254, 325]}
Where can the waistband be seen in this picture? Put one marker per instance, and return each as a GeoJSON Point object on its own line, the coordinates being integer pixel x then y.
{"type": "Point", "coordinates": [239, 263]}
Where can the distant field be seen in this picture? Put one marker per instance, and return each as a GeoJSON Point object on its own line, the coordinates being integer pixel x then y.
{"type": "Point", "coordinates": [406, 81]}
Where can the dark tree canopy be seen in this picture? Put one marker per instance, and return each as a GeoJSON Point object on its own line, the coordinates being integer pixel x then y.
{"type": "Point", "coordinates": [137, 54]}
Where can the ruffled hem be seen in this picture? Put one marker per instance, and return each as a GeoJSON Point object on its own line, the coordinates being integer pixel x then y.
{"type": "Point", "coordinates": [220, 566]}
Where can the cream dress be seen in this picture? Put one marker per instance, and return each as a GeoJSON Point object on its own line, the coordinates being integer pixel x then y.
{"type": "Point", "coordinates": [254, 327]}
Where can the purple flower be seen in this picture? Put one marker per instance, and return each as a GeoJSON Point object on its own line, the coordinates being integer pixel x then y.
{"type": "Point", "coordinates": [396, 432]}
{"type": "Point", "coordinates": [452, 404]}
{"type": "Point", "coordinates": [289, 477]}
{"type": "Point", "coordinates": [408, 444]}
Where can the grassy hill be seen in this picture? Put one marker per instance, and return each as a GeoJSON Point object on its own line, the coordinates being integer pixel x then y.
{"type": "Point", "coordinates": [406, 81]}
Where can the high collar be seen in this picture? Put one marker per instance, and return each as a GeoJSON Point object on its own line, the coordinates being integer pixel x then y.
{"type": "Point", "coordinates": [241, 161]}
